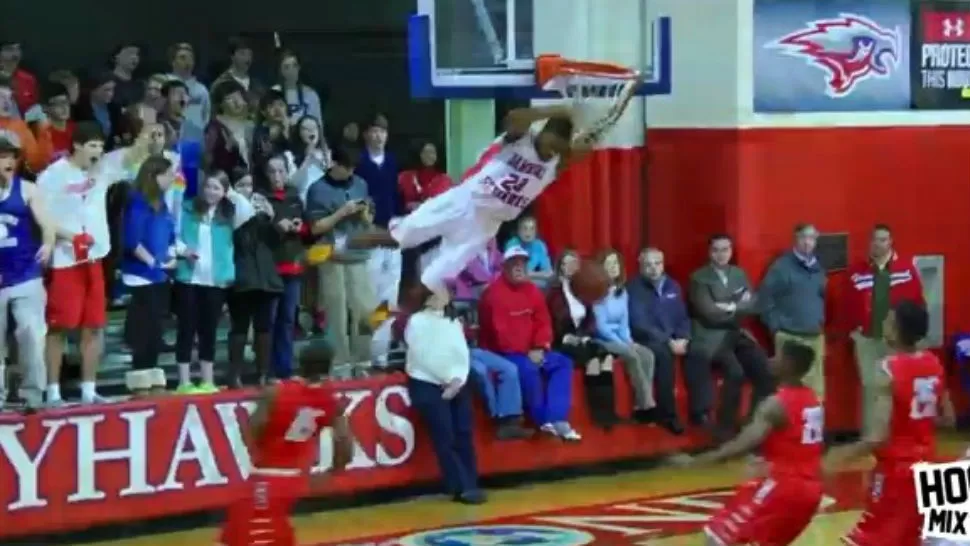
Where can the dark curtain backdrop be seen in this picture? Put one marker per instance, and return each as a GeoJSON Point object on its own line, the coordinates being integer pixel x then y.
{"type": "Point", "coordinates": [355, 53]}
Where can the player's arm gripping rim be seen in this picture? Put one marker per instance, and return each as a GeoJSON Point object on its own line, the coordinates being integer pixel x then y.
{"type": "Point", "coordinates": [769, 416]}
{"type": "Point", "coordinates": [878, 432]}
{"type": "Point", "coordinates": [587, 138]}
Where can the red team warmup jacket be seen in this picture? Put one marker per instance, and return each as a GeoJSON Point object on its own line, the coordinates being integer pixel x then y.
{"type": "Point", "coordinates": [513, 318]}
{"type": "Point", "coordinates": [904, 284]}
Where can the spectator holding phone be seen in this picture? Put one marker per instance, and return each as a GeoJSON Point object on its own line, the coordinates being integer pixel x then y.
{"type": "Point", "coordinates": [338, 206]}
{"type": "Point", "coordinates": [205, 270]}
{"type": "Point", "coordinates": [289, 254]}
{"type": "Point", "coordinates": [258, 285]}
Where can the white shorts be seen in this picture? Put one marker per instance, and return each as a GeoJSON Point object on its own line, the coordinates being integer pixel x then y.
{"type": "Point", "coordinates": [464, 231]}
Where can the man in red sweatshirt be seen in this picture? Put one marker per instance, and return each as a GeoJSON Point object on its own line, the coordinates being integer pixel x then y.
{"type": "Point", "coordinates": [875, 286]}
{"type": "Point", "coordinates": [514, 322]}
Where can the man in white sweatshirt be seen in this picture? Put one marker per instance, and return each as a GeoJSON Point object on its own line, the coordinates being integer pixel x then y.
{"type": "Point", "coordinates": [75, 188]}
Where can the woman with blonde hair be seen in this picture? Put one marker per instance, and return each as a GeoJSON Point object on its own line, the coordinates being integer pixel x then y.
{"type": "Point", "coordinates": [612, 315]}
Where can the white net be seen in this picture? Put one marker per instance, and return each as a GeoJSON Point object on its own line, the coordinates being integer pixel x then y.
{"type": "Point", "coordinates": [598, 99]}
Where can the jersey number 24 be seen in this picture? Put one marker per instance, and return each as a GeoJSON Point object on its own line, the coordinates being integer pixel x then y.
{"type": "Point", "coordinates": [513, 183]}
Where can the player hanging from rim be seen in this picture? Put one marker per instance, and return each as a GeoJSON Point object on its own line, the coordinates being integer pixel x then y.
{"type": "Point", "coordinates": [507, 177]}
{"type": "Point", "coordinates": [910, 394]}
{"type": "Point", "coordinates": [282, 440]}
{"type": "Point", "coordinates": [774, 509]}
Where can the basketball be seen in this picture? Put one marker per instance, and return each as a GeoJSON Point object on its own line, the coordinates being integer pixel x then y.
{"type": "Point", "coordinates": [590, 283]}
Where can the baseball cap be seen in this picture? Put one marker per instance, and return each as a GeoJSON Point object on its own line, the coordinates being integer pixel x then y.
{"type": "Point", "coordinates": [514, 252]}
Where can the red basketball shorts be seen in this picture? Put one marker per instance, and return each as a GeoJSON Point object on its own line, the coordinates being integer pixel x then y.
{"type": "Point", "coordinates": [766, 512]}
{"type": "Point", "coordinates": [261, 515]}
{"type": "Point", "coordinates": [75, 297]}
{"type": "Point", "coordinates": [891, 515]}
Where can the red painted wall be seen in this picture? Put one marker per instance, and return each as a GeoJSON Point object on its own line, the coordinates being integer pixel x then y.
{"type": "Point", "coordinates": [756, 184]}
{"type": "Point", "coordinates": [595, 204]}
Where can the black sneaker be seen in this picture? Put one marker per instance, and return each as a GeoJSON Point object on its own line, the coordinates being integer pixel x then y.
{"type": "Point", "coordinates": [646, 416]}
{"type": "Point", "coordinates": [700, 420]}
{"type": "Point", "coordinates": [510, 429]}
{"type": "Point", "coordinates": [475, 496]}
{"type": "Point", "coordinates": [673, 425]}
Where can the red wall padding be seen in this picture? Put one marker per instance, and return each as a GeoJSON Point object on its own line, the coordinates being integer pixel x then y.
{"type": "Point", "coordinates": [595, 204]}
{"type": "Point", "coordinates": [756, 184]}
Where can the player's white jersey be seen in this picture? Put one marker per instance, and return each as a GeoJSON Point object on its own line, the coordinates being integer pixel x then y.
{"type": "Point", "coordinates": [508, 177]}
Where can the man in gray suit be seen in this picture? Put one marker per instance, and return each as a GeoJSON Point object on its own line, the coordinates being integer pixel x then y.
{"type": "Point", "coordinates": [721, 297]}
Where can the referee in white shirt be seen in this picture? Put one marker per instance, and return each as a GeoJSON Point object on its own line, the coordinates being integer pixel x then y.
{"type": "Point", "coordinates": [438, 364]}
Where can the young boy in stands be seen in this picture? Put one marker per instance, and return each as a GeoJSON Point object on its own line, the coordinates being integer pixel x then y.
{"type": "Point", "coordinates": [23, 254]}
{"type": "Point", "coordinates": [75, 188]}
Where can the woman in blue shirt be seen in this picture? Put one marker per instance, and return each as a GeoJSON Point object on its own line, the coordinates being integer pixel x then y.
{"type": "Point", "coordinates": [147, 260]}
{"type": "Point", "coordinates": [613, 329]}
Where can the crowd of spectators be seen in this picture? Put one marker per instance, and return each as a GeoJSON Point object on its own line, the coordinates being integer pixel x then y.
{"type": "Point", "coordinates": [188, 200]}
{"type": "Point", "coordinates": [193, 201]}
{"type": "Point", "coordinates": [527, 339]}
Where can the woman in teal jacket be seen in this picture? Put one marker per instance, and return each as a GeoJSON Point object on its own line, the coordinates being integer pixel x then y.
{"type": "Point", "coordinates": [204, 273]}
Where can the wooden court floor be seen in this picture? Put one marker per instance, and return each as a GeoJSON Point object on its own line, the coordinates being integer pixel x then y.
{"type": "Point", "coordinates": [659, 507]}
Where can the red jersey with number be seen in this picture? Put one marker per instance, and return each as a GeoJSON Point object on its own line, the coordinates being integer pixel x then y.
{"type": "Point", "coordinates": [299, 412]}
{"type": "Point", "coordinates": [795, 450]}
{"type": "Point", "coordinates": [917, 385]}
{"type": "Point", "coordinates": [775, 510]}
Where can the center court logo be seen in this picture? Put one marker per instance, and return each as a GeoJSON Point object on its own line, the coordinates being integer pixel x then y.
{"type": "Point", "coordinates": [499, 535]}
{"type": "Point", "coordinates": [943, 497]}
{"type": "Point", "coordinates": [849, 49]}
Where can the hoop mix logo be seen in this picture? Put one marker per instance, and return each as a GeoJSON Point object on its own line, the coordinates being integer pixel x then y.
{"type": "Point", "coordinates": [849, 49]}
{"type": "Point", "coordinates": [943, 497]}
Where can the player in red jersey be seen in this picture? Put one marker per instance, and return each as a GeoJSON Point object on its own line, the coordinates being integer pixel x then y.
{"type": "Point", "coordinates": [774, 509]}
{"type": "Point", "coordinates": [282, 442]}
{"type": "Point", "coordinates": [903, 432]}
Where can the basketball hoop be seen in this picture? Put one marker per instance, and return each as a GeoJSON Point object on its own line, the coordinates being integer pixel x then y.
{"type": "Point", "coordinates": [599, 91]}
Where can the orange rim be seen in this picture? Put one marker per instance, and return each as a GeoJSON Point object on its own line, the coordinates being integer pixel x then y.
{"type": "Point", "coordinates": [550, 66]}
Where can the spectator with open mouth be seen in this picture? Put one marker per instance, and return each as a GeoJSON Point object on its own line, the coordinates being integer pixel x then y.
{"type": "Point", "coordinates": [75, 188]}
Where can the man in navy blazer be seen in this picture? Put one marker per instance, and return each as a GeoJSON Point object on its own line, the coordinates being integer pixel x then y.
{"type": "Point", "coordinates": [659, 320]}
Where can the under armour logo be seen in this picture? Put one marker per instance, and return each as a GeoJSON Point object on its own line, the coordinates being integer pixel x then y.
{"type": "Point", "coordinates": [952, 27]}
